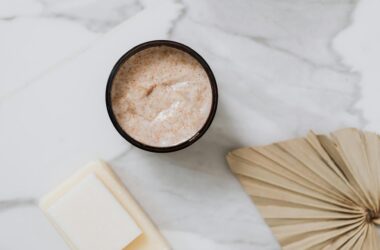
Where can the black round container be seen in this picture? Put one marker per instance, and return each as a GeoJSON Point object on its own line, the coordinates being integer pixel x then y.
{"type": "Point", "coordinates": [195, 55]}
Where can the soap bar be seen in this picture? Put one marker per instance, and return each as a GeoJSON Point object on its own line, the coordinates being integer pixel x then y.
{"type": "Point", "coordinates": [89, 211]}
{"type": "Point", "coordinates": [93, 211]}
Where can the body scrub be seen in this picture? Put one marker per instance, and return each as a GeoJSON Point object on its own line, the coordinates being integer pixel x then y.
{"type": "Point", "coordinates": [161, 95]}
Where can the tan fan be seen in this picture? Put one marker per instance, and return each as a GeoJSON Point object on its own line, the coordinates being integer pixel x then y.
{"type": "Point", "coordinates": [318, 192]}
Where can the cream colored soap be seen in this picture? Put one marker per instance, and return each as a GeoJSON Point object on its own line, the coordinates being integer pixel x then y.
{"type": "Point", "coordinates": [93, 211]}
{"type": "Point", "coordinates": [89, 211]}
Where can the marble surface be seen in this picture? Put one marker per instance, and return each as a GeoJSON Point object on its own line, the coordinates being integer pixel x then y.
{"type": "Point", "coordinates": [283, 68]}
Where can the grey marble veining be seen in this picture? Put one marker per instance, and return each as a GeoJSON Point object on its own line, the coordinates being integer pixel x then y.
{"type": "Point", "coordinates": [9, 204]}
{"type": "Point", "coordinates": [283, 68]}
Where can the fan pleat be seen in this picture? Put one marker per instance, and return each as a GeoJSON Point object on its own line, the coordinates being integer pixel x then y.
{"type": "Point", "coordinates": [263, 190]}
{"type": "Point", "coordinates": [312, 240]}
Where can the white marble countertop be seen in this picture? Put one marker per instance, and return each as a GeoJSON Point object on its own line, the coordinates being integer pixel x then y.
{"type": "Point", "coordinates": [283, 67]}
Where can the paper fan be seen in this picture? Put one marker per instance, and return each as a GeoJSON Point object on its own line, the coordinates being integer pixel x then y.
{"type": "Point", "coordinates": [318, 192]}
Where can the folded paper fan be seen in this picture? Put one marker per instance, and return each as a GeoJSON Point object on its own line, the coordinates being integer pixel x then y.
{"type": "Point", "coordinates": [318, 192]}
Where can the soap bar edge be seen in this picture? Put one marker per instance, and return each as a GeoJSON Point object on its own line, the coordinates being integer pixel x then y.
{"type": "Point", "coordinates": [100, 167]}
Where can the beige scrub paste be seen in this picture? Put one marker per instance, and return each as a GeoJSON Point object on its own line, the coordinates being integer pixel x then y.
{"type": "Point", "coordinates": [161, 96]}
